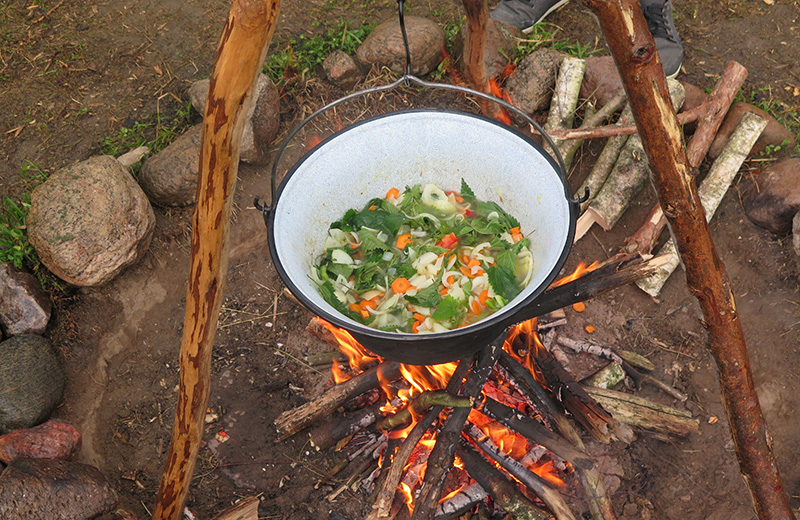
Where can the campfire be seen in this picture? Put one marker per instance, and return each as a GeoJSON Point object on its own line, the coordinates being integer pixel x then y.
{"type": "Point", "coordinates": [490, 432]}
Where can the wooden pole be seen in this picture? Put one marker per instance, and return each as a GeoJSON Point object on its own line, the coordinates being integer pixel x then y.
{"type": "Point", "coordinates": [634, 52]}
{"type": "Point", "coordinates": [477, 15]}
{"type": "Point", "coordinates": [240, 54]}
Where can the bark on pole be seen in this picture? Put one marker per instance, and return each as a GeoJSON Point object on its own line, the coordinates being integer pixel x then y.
{"type": "Point", "coordinates": [634, 52]}
{"type": "Point", "coordinates": [477, 14]}
{"type": "Point", "coordinates": [240, 54]}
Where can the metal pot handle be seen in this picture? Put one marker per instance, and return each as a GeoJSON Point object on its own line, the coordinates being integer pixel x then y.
{"type": "Point", "coordinates": [406, 80]}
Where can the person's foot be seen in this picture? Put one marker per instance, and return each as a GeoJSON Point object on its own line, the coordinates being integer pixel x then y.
{"type": "Point", "coordinates": [658, 14]}
{"type": "Point", "coordinates": [524, 14]}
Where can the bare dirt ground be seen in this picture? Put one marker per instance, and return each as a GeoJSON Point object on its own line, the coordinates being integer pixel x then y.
{"type": "Point", "coordinates": [72, 73]}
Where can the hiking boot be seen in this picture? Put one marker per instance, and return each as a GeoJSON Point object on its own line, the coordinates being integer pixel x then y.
{"type": "Point", "coordinates": [658, 14]}
{"type": "Point", "coordinates": [524, 14]}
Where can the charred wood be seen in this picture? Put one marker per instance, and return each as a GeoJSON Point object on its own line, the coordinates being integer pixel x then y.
{"type": "Point", "coordinates": [292, 421]}
{"type": "Point", "coordinates": [331, 432]}
{"type": "Point", "coordinates": [421, 404]}
{"type": "Point", "coordinates": [504, 492]}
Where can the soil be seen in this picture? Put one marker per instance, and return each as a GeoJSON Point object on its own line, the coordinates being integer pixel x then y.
{"type": "Point", "coordinates": [72, 73]}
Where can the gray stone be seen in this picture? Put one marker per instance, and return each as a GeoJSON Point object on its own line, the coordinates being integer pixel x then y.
{"type": "Point", "coordinates": [263, 119]}
{"type": "Point", "coordinates": [531, 84]}
{"type": "Point", "coordinates": [384, 46]}
{"type": "Point", "coordinates": [601, 82]}
{"type": "Point", "coordinates": [24, 307]}
{"type": "Point", "coordinates": [773, 135]}
{"type": "Point", "coordinates": [342, 70]}
{"type": "Point", "coordinates": [773, 197]}
{"type": "Point", "coordinates": [89, 221]}
{"type": "Point", "coordinates": [132, 157]}
{"type": "Point", "coordinates": [502, 40]}
{"type": "Point", "coordinates": [169, 178]}
{"type": "Point", "coordinates": [40, 489]}
{"type": "Point", "coordinates": [31, 382]}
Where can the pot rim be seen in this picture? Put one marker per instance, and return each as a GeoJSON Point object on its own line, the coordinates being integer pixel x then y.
{"type": "Point", "coordinates": [503, 318]}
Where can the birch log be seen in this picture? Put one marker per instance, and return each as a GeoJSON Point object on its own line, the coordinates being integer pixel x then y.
{"type": "Point", "coordinates": [712, 189]}
{"type": "Point", "coordinates": [569, 148]}
{"type": "Point", "coordinates": [626, 180]}
{"type": "Point", "coordinates": [240, 55]}
{"type": "Point", "coordinates": [565, 98]}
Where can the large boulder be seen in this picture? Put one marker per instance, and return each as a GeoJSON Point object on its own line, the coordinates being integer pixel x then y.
{"type": "Point", "coordinates": [502, 41]}
{"type": "Point", "coordinates": [263, 119]}
{"type": "Point", "coordinates": [89, 221]}
{"type": "Point", "coordinates": [384, 46]}
{"type": "Point", "coordinates": [24, 307]}
{"type": "Point", "coordinates": [169, 178]}
{"type": "Point", "coordinates": [601, 81]}
{"type": "Point", "coordinates": [531, 85]}
{"type": "Point", "coordinates": [55, 439]}
{"type": "Point", "coordinates": [774, 135]}
{"type": "Point", "coordinates": [31, 382]}
{"type": "Point", "coordinates": [54, 489]}
{"type": "Point", "coordinates": [773, 197]}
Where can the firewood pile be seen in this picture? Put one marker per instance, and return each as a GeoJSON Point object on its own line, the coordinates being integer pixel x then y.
{"type": "Point", "coordinates": [496, 431]}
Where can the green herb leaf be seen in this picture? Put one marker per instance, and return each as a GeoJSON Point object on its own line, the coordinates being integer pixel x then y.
{"type": "Point", "coordinates": [503, 281]}
{"type": "Point", "coordinates": [486, 208]}
{"type": "Point", "coordinates": [346, 224]}
{"type": "Point", "coordinates": [379, 219]}
{"type": "Point", "coordinates": [427, 297]}
{"type": "Point", "coordinates": [370, 241]}
{"type": "Point", "coordinates": [340, 269]}
{"type": "Point", "coordinates": [466, 191]}
{"type": "Point", "coordinates": [507, 259]}
{"type": "Point", "coordinates": [447, 309]}
{"type": "Point", "coordinates": [327, 292]}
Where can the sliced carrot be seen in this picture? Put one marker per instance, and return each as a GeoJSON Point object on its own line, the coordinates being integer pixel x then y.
{"type": "Point", "coordinates": [476, 307]}
{"type": "Point", "coordinates": [415, 327]}
{"type": "Point", "coordinates": [364, 313]}
{"type": "Point", "coordinates": [367, 304]}
{"type": "Point", "coordinates": [419, 317]}
{"type": "Point", "coordinates": [392, 193]}
{"type": "Point", "coordinates": [483, 296]}
{"type": "Point", "coordinates": [403, 240]}
{"type": "Point", "coordinates": [354, 307]}
{"type": "Point", "coordinates": [466, 271]}
{"type": "Point", "coordinates": [443, 291]}
{"type": "Point", "coordinates": [474, 263]}
{"type": "Point", "coordinates": [579, 307]}
{"type": "Point", "coordinates": [373, 207]}
{"type": "Point", "coordinates": [589, 329]}
{"type": "Point", "coordinates": [514, 230]}
{"type": "Point", "coordinates": [516, 237]}
{"type": "Point", "coordinates": [401, 285]}
{"type": "Point", "coordinates": [459, 198]}
{"type": "Point", "coordinates": [450, 280]}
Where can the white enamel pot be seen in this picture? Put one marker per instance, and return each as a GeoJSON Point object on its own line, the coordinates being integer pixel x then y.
{"type": "Point", "coordinates": [418, 147]}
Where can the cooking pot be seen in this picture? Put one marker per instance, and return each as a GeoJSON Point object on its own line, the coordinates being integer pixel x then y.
{"type": "Point", "coordinates": [412, 147]}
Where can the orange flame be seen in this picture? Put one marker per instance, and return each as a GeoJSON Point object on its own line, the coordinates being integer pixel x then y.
{"type": "Point", "coordinates": [357, 355]}
{"type": "Point", "coordinates": [577, 273]}
{"type": "Point", "coordinates": [498, 92]}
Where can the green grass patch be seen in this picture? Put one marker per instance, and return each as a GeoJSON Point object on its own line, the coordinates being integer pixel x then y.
{"type": "Point", "coordinates": [788, 116]}
{"type": "Point", "coordinates": [14, 245]}
{"type": "Point", "coordinates": [155, 132]}
{"type": "Point", "coordinates": [306, 53]}
{"type": "Point", "coordinates": [544, 35]}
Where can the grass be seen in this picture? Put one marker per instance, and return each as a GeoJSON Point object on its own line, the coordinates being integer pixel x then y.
{"type": "Point", "coordinates": [788, 116]}
{"type": "Point", "coordinates": [305, 54]}
{"type": "Point", "coordinates": [14, 245]}
{"type": "Point", "coordinates": [544, 36]}
{"type": "Point", "coordinates": [155, 132]}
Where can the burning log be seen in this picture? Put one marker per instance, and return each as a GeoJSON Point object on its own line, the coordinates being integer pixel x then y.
{"type": "Point", "coordinates": [636, 411]}
{"type": "Point", "coordinates": [535, 432]}
{"type": "Point", "coordinates": [716, 106]}
{"type": "Point", "coordinates": [421, 404]}
{"type": "Point", "coordinates": [381, 507]}
{"type": "Point", "coordinates": [552, 498]}
{"type": "Point", "coordinates": [441, 458]}
{"type": "Point", "coordinates": [292, 421]}
{"type": "Point", "coordinates": [504, 492]}
{"type": "Point", "coordinates": [711, 191]}
{"type": "Point", "coordinates": [461, 501]}
{"type": "Point", "coordinates": [331, 432]}
{"type": "Point", "coordinates": [632, 45]}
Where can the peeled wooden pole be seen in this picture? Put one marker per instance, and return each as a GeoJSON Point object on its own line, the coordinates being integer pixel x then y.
{"type": "Point", "coordinates": [240, 54]}
{"type": "Point", "coordinates": [634, 52]}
